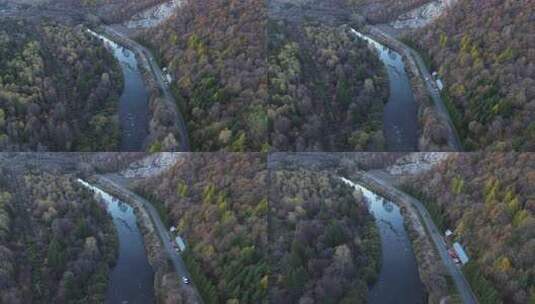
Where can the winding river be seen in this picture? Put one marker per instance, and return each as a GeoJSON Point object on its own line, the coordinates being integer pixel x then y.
{"type": "Point", "coordinates": [134, 101]}
{"type": "Point", "coordinates": [132, 278]}
{"type": "Point", "coordinates": [400, 121]}
{"type": "Point", "coordinates": [398, 280]}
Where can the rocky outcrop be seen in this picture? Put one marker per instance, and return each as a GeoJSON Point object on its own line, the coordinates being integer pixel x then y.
{"type": "Point", "coordinates": [422, 15]}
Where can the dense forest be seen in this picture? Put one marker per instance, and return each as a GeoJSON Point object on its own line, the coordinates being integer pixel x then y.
{"type": "Point", "coordinates": [218, 202]}
{"type": "Point", "coordinates": [326, 89]}
{"type": "Point", "coordinates": [488, 201]}
{"type": "Point", "coordinates": [58, 89]}
{"type": "Point", "coordinates": [215, 51]}
{"type": "Point", "coordinates": [485, 51]}
{"type": "Point", "coordinates": [57, 243]}
{"type": "Point", "coordinates": [324, 245]}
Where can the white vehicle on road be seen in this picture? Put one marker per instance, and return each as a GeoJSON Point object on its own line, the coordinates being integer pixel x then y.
{"type": "Point", "coordinates": [180, 245]}
{"type": "Point", "coordinates": [185, 280]}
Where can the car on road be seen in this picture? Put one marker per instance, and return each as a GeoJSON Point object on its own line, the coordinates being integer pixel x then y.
{"type": "Point", "coordinates": [185, 280]}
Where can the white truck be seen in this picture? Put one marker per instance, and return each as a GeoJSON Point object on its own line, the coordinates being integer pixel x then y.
{"type": "Point", "coordinates": [180, 245]}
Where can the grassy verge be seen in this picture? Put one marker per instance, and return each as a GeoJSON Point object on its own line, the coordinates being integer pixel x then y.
{"type": "Point", "coordinates": [160, 207]}
{"type": "Point", "coordinates": [372, 246]}
{"type": "Point", "coordinates": [428, 60]}
{"type": "Point", "coordinates": [454, 298]}
{"type": "Point", "coordinates": [436, 212]}
{"type": "Point", "coordinates": [456, 117]}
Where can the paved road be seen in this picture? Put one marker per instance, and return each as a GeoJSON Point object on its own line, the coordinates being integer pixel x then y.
{"type": "Point", "coordinates": [453, 136]}
{"type": "Point", "coordinates": [107, 183]}
{"type": "Point", "coordinates": [148, 60]}
{"type": "Point", "coordinates": [463, 287]}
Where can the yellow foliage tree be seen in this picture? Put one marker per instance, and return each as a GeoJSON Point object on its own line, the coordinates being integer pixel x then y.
{"type": "Point", "coordinates": [503, 264]}
{"type": "Point", "coordinates": [264, 282]}
{"type": "Point", "coordinates": [182, 189]}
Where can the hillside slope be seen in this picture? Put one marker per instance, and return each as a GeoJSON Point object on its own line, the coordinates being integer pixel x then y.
{"type": "Point", "coordinates": [325, 246]}
{"type": "Point", "coordinates": [59, 89]}
{"type": "Point", "coordinates": [218, 204]}
{"type": "Point", "coordinates": [486, 53]}
{"type": "Point", "coordinates": [488, 201]}
{"type": "Point", "coordinates": [215, 51]}
{"type": "Point", "coordinates": [57, 243]}
{"type": "Point", "coordinates": [326, 89]}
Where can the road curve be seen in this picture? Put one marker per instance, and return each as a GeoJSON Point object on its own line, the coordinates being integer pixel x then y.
{"type": "Point", "coordinates": [108, 184]}
{"type": "Point", "coordinates": [150, 64]}
{"type": "Point", "coordinates": [462, 285]}
{"type": "Point", "coordinates": [453, 136]}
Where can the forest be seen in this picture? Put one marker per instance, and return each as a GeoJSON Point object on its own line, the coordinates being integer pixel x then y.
{"type": "Point", "coordinates": [218, 202]}
{"type": "Point", "coordinates": [485, 52]}
{"type": "Point", "coordinates": [324, 244]}
{"type": "Point", "coordinates": [487, 200]}
{"type": "Point", "coordinates": [59, 89]}
{"type": "Point", "coordinates": [326, 89]}
{"type": "Point", "coordinates": [215, 51]}
{"type": "Point", "coordinates": [57, 243]}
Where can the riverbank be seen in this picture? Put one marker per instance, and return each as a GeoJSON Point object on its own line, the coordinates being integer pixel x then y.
{"type": "Point", "coordinates": [433, 275]}
{"type": "Point", "coordinates": [400, 126]}
{"type": "Point", "coordinates": [126, 283]}
{"type": "Point", "coordinates": [166, 130]}
{"type": "Point", "coordinates": [133, 103]}
{"type": "Point", "coordinates": [435, 132]}
{"type": "Point", "coordinates": [166, 285]}
{"type": "Point", "coordinates": [399, 279]}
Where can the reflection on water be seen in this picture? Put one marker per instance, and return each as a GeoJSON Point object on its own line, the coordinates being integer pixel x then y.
{"type": "Point", "coordinates": [400, 112]}
{"type": "Point", "coordinates": [388, 206]}
{"type": "Point", "coordinates": [398, 280]}
{"type": "Point", "coordinates": [132, 278]}
{"type": "Point", "coordinates": [134, 101]}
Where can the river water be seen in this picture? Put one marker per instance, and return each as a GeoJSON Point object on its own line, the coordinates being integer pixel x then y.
{"type": "Point", "coordinates": [134, 101]}
{"type": "Point", "coordinates": [132, 278]}
{"type": "Point", "coordinates": [400, 121]}
{"type": "Point", "coordinates": [398, 280]}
